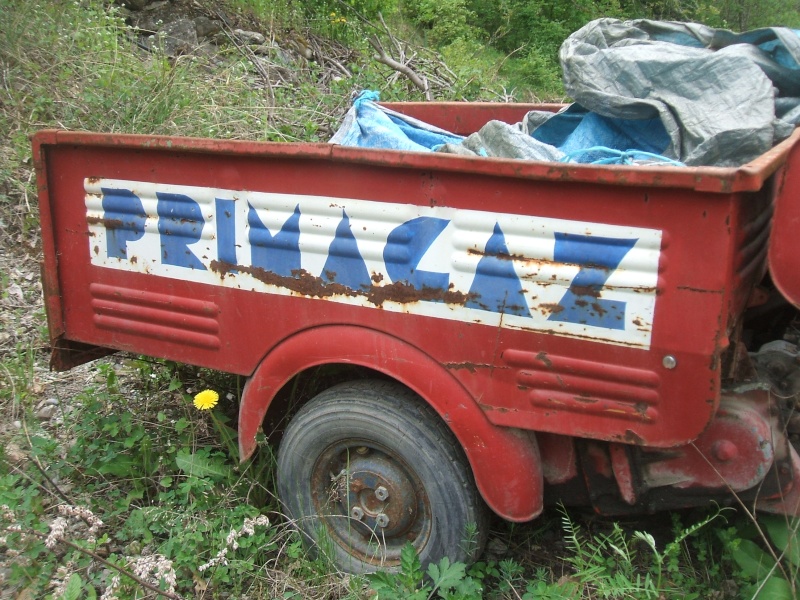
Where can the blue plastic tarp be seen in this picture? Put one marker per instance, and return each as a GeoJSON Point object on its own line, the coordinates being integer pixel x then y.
{"type": "Point", "coordinates": [644, 91]}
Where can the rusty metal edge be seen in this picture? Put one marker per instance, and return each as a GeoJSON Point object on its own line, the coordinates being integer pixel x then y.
{"type": "Point", "coordinates": [49, 265]}
{"type": "Point", "coordinates": [746, 178]}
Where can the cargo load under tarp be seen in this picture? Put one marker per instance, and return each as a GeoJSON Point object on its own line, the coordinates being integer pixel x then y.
{"type": "Point", "coordinates": [644, 91]}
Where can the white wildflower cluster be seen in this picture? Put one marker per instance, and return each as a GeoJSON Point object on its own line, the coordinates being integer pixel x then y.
{"type": "Point", "coordinates": [57, 530]}
{"type": "Point", "coordinates": [59, 525]}
{"type": "Point", "coordinates": [111, 590]}
{"type": "Point", "coordinates": [7, 514]}
{"type": "Point", "coordinates": [87, 516]}
{"type": "Point", "coordinates": [58, 583]}
{"type": "Point", "coordinates": [161, 568]}
{"type": "Point", "coordinates": [232, 541]}
{"type": "Point", "coordinates": [154, 567]}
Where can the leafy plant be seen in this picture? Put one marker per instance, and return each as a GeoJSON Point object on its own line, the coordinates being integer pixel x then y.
{"type": "Point", "coordinates": [446, 580]}
{"type": "Point", "coordinates": [767, 551]}
{"type": "Point", "coordinates": [611, 565]}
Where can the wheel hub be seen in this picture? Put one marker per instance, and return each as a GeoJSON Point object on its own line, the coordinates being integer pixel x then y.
{"type": "Point", "coordinates": [383, 494]}
{"type": "Point", "coordinates": [371, 501]}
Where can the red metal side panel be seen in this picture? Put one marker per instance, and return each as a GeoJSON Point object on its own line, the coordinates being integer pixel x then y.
{"type": "Point", "coordinates": [784, 257]}
{"type": "Point", "coordinates": [651, 379]}
{"type": "Point", "coordinates": [466, 118]}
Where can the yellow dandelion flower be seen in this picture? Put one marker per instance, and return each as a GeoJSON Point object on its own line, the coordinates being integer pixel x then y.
{"type": "Point", "coordinates": [206, 400]}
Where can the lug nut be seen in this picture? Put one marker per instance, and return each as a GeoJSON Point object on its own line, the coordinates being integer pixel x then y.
{"type": "Point", "coordinates": [357, 513]}
{"type": "Point", "coordinates": [382, 520]}
{"type": "Point", "coordinates": [381, 493]}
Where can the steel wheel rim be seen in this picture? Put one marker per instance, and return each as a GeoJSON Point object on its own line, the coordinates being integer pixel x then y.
{"type": "Point", "coordinates": [372, 503]}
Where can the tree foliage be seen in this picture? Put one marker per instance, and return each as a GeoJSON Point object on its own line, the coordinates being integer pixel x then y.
{"type": "Point", "coordinates": [529, 33]}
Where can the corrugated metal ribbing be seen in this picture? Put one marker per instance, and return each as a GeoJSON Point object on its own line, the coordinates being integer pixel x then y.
{"type": "Point", "coordinates": [157, 316]}
{"type": "Point", "coordinates": [586, 387]}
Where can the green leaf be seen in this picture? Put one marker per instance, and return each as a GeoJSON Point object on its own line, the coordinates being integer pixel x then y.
{"type": "Point", "coordinates": [467, 589]}
{"type": "Point", "coordinates": [134, 494]}
{"type": "Point", "coordinates": [229, 437]}
{"type": "Point", "coordinates": [182, 424]}
{"type": "Point", "coordinates": [120, 466]}
{"type": "Point", "coordinates": [445, 575]}
{"type": "Point", "coordinates": [752, 560]}
{"type": "Point", "coordinates": [782, 532]}
{"type": "Point", "coordinates": [383, 583]}
{"type": "Point", "coordinates": [73, 589]}
{"type": "Point", "coordinates": [410, 566]}
{"type": "Point", "coordinates": [775, 588]}
{"type": "Point", "coordinates": [198, 465]}
{"type": "Point", "coordinates": [165, 482]}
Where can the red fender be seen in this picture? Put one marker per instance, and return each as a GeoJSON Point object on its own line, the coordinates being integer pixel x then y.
{"type": "Point", "coordinates": [505, 462]}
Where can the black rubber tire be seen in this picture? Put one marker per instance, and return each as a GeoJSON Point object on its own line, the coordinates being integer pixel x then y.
{"type": "Point", "coordinates": [353, 439]}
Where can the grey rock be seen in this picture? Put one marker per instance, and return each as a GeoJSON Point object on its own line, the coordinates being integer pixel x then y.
{"type": "Point", "coordinates": [46, 412]}
{"type": "Point", "coordinates": [264, 49]}
{"type": "Point", "coordinates": [250, 37]}
{"type": "Point", "coordinates": [46, 402]}
{"type": "Point", "coordinates": [177, 37]}
{"type": "Point", "coordinates": [155, 5]}
{"type": "Point", "coordinates": [497, 547]}
{"type": "Point", "coordinates": [205, 27]}
{"type": "Point", "coordinates": [14, 454]}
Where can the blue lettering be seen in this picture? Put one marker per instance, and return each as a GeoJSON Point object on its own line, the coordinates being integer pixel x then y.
{"type": "Point", "coordinates": [597, 257]}
{"type": "Point", "coordinates": [496, 286]}
{"type": "Point", "coordinates": [280, 253]}
{"type": "Point", "coordinates": [226, 230]}
{"type": "Point", "coordinates": [180, 223]}
{"type": "Point", "coordinates": [405, 247]}
{"type": "Point", "coordinates": [345, 264]}
{"type": "Point", "coordinates": [124, 219]}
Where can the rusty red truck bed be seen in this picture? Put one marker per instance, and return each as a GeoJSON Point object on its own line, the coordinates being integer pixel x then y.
{"type": "Point", "coordinates": [561, 319]}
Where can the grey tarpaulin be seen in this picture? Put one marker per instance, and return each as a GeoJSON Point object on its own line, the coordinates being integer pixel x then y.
{"type": "Point", "coordinates": [645, 91]}
{"type": "Point", "coordinates": [723, 98]}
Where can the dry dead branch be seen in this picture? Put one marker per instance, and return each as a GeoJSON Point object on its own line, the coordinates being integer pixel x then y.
{"type": "Point", "coordinates": [382, 57]}
{"type": "Point", "coordinates": [422, 67]}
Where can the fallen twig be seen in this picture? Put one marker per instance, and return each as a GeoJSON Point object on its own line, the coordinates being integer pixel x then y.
{"type": "Point", "coordinates": [382, 57]}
